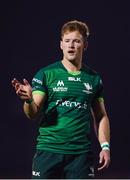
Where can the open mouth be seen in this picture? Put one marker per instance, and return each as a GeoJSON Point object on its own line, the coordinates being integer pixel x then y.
{"type": "Point", "coordinates": [71, 52]}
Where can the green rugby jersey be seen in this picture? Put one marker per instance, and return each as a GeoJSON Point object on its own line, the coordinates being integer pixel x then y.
{"type": "Point", "coordinates": [65, 126]}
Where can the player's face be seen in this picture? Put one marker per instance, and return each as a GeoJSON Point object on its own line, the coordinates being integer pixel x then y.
{"type": "Point", "coordinates": [72, 45]}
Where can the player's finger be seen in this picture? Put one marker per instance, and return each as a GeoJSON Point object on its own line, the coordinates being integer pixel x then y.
{"type": "Point", "coordinates": [101, 167]}
{"type": "Point", "coordinates": [25, 82]}
{"type": "Point", "coordinates": [14, 81]}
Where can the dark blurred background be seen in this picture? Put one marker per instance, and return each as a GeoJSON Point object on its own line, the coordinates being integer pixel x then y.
{"type": "Point", "coordinates": [29, 39]}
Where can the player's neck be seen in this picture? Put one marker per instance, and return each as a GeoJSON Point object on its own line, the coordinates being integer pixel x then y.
{"type": "Point", "coordinates": [71, 66]}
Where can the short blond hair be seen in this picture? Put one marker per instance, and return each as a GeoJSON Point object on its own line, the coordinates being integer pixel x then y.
{"type": "Point", "coordinates": [75, 25]}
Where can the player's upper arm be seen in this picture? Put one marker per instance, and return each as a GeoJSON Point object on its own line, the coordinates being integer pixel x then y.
{"type": "Point", "coordinates": [39, 98]}
{"type": "Point", "coordinates": [99, 110]}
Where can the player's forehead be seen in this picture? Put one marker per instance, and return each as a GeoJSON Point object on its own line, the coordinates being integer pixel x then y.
{"type": "Point", "coordinates": [72, 34]}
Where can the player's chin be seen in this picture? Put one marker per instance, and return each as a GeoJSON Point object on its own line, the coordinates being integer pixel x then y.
{"type": "Point", "coordinates": [71, 59]}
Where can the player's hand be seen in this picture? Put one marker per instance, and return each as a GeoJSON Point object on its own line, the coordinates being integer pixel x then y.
{"type": "Point", "coordinates": [104, 159]}
{"type": "Point", "coordinates": [23, 90]}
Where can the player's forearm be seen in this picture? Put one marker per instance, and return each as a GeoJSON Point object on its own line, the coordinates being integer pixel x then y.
{"type": "Point", "coordinates": [30, 110]}
{"type": "Point", "coordinates": [104, 130]}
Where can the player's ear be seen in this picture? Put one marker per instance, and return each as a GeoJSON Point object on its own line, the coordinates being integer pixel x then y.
{"type": "Point", "coordinates": [85, 45]}
{"type": "Point", "coordinates": [61, 44]}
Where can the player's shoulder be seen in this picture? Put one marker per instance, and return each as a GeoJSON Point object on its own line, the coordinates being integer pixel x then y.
{"type": "Point", "coordinates": [41, 72]}
{"type": "Point", "coordinates": [90, 71]}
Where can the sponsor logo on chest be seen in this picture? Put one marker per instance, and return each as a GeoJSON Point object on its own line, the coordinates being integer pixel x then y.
{"type": "Point", "coordinates": [71, 104]}
{"type": "Point", "coordinates": [74, 79]}
{"type": "Point", "coordinates": [60, 86]}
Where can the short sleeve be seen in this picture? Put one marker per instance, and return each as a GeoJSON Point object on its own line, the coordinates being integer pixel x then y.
{"type": "Point", "coordinates": [39, 83]}
{"type": "Point", "coordinates": [99, 94]}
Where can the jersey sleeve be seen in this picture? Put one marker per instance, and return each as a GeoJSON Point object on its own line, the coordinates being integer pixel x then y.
{"type": "Point", "coordinates": [99, 96]}
{"type": "Point", "coordinates": [39, 83]}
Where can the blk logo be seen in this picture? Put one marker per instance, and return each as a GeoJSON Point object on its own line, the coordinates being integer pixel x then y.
{"type": "Point", "coordinates": [34, 173]}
